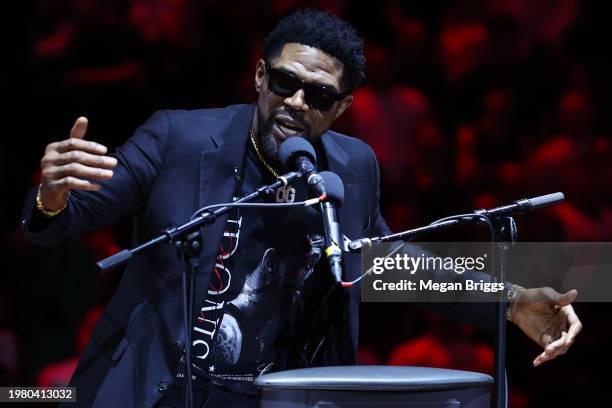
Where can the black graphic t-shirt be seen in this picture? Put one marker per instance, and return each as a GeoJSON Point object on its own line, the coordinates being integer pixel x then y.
{"type": "Point", "coordinates": [265, 255]}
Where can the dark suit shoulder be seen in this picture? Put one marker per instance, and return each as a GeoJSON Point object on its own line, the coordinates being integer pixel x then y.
{"type": "Point", "coordinates": [203, 114]}
{"type": "Point", "coordinates": [194, 128]}
{"type": "Point", "coordinates": [356, 148]}
{"type": "Point", "coordinates": [351, 143]}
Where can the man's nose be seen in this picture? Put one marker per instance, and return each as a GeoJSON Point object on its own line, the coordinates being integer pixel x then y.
{"type": "Point", "coordinates": [297, 101]}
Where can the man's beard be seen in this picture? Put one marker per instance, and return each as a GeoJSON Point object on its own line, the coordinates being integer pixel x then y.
{"type": "Point", "coordinates": [266, 140]}
{"type": "Point", "coordinates": [268, 145]}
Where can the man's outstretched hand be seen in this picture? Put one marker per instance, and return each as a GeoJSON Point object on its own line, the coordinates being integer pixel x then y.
{"type": "Point", "coordinates": [72, 164]}
{"type": "Point", "coordinates": [548, 318]}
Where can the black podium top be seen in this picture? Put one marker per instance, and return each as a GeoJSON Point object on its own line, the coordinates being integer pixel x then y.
{"type": "Point", "coordinates": [373, 378]}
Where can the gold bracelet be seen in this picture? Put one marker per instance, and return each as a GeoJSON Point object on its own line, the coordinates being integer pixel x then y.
{"type": "Point", "coordinates": [514, 294]}
{"type": "Point", "coordinates": [48, 213]}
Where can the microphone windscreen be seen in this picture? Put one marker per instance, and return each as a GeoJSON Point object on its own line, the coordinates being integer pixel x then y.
{"type": "Point", "coordinates": [293, 147]}
{"type": "Point", "coordinates": [545, 200]}
{"type": "Point", "coordinates": [334, 187]}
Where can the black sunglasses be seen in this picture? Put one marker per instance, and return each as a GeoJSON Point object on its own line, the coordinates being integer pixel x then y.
{"type": "Point", "coordinates": [316, 96]}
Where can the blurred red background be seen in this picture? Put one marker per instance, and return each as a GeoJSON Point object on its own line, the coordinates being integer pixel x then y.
{"type": "Point", "coordinates": [467, 104]}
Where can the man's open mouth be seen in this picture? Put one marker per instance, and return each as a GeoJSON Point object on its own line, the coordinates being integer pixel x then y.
{"type": "Point", "coordinates": [288, 127]}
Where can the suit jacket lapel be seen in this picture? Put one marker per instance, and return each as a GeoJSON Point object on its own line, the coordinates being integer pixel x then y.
{"type": "Point", "coordinates": [217, 185]}
{"type": "Point", "coordinates": [217, 165]}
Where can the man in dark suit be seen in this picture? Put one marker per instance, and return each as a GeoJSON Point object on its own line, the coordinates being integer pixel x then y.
{"type": "Point", "coordinates": [258, 290]}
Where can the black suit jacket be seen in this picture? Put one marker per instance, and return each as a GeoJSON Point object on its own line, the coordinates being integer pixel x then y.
{"type": "Point", "coordinates": [175, 163]}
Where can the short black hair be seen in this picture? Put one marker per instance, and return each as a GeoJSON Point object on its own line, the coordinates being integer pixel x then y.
{"type": "Point", "coordinates": [327, 33]}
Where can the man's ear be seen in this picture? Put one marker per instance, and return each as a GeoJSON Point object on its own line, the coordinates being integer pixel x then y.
{"type": "Point", "coordinates": [343, 104]}
{"type": "Point", "coordinates": [260, 73]}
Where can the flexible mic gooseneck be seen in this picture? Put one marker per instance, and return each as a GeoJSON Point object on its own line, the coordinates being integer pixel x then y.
{"type": "Point", "coordinates": [331, 227]}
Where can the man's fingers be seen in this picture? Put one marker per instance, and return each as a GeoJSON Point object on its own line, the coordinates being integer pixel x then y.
{"type": "Point", "coordinates": [575, 324]}
{"type": "Point", "coordinates": [79, 156]}
{"type": "Point", "coordinates": [79, 128]}
{"type": "Point", "coordinates": [77, 184]}
{"type": "Point", "coordinates": [557, 347]}
{"type": "Point", "coordinates": [544, 357]}
{"type": "Point", "coordinates": [78, 170]}
{"type": "Point", "coordinates": [552, 346]}
{"type": "Point", "coordinates": [71, 164]}
{"type": "Point", "coordinates": [79, 144]}
{"type": "Point", "coordinates": [554, 349]}
{"type": "Point", "coordinates": [52, 147]}
{"type": "Point", "coordinates": [548, 294]}
{"type": "Point", "coordinates": [567, 298]}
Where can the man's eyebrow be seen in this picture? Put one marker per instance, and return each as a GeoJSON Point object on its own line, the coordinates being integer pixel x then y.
{"type": "Point", "coordinates": [327, 86]}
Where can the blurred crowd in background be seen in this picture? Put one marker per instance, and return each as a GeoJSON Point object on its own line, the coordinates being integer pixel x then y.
{"type": "Point", "coordinates": [467, 104]}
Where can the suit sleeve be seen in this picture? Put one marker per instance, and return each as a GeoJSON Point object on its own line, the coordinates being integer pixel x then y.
{"type": "Point", "coordinates": [477, 313]}
{"type": "Point", "coordinates": [139, 161]}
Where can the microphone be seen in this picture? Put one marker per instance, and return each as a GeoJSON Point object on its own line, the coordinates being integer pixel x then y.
{"type": "Point", "coordinates": [331, 227]}
{"type": "Point", "coordinates": [523, 205]}
{"type": "Point", "coordinates": [517, 207]}
{"type": "Point", "coordinates": [297, 153]}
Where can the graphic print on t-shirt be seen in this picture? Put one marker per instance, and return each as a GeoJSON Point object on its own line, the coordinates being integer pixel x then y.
{"type": "Point", "coordinates": [264, 256]}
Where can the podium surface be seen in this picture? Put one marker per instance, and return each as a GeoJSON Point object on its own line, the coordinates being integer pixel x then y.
{"type": "Point", "coordinates": [374, 386]}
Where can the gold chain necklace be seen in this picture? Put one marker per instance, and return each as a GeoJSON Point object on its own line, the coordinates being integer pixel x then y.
{"type": "Point", "coordinates": [284, 193]}
{"type": "Point", "coordinates": [260, 156]}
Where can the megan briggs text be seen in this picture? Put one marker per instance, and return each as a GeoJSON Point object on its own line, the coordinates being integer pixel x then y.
{"type": "Point", "coordinates": [468, 285]}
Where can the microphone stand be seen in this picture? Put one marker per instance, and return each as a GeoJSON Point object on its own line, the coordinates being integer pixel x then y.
{"type": "Point", "coordinates": [506, 211]}
{"type": "Point", "coordinates": [176, 234]}
{"type": "Point", "coordinates": [505, 233]}
{"type": "Point", "coordinates": [360, 244]}
{"type": "Point", "coordinates": [188, 242]}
